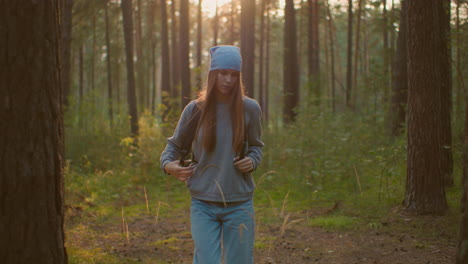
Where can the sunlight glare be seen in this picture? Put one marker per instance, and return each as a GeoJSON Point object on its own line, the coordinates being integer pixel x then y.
{"type": "Point", "coordinates": [209, 6]}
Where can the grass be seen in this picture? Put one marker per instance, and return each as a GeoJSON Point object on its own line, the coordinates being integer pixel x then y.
{"type": "Point", "coordinates": [334, 222]}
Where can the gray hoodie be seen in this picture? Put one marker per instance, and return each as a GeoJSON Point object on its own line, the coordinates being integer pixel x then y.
{"type": "Point", "coordinates": [215, 177]}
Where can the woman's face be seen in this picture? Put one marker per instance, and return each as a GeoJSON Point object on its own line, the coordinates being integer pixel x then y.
{"type": "Point", "coordinates": [226, 80]}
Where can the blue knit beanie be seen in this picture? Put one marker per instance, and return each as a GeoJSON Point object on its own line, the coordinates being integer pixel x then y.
{"type": "Point", "coordinates": [225, 57]}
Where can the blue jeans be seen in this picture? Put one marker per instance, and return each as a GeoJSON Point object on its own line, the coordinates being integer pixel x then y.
{"type": "Point", "coordinates": [222, 232]}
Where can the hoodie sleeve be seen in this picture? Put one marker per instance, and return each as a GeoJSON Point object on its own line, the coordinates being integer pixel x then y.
{"type": "Point", "coordinates": [174, 144]}
{"type": "Point", "coordinates": [254, 132]}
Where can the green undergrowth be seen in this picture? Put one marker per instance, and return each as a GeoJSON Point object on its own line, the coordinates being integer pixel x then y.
{"type": "Point", "coordinates": [339, 172]}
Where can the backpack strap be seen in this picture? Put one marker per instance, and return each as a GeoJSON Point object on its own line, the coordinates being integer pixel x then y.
{"type": "Point", "coordinates": [189, 135]}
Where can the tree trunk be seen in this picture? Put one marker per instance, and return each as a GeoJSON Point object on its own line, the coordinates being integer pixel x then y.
{"type": "Point", "coordinates": [425, 193]}
{"type": "Point", "coordinates": [215, 26]}
{"type": "Point", "coordinates": [290, 68]}
{"type": "Point", "coordinates": [445, 72]}
{"type": "Point", "coordinates": [462, 248]}
{"type": "Point", "coordinates": [175, 59]}
{"type": "Point", "coordinates": [313, 47]}
{"type": "Point", "coordinates": [109, 69]}
{"type": "Point", "coordinates": [166, 64]}
{"type": "Point", "coordinates": [386, 62]}
{"type": "Point", "coordinates": [356, 53]}
{"type": "Point", "coordinates": [397, 110]}
{"type": "Point", "coordinates": [81, 75]}
{"type": "Point", "coordinates": [140, 66]}
{"type": "Point", "coordinates": [184, 53]}
{"type": "Point", "coordinates": [265, 108]}
{"type": "Point", "coordinates": [127, 12]}
{"type": "Point", "coordinates": [261, 59]}
{"type": "Point", "coordinates": [248, 44]}
{"type": "Point", "coordinates": [66, 48]}
{"type": "Point", "coordinates": [93, 54]}
{"type": "Point", "coordinates": [31, 174]}
{"type": "Point", "coordinates": [199, 45]}
{"type": "Point", "coordinates": [332, 57]}
{"type": "Point", "coordinates": [349, 67]}
{"type": "Point", "coordinates": [150, 35]}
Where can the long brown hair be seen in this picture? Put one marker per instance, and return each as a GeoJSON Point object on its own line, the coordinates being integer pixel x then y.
{"type": "Point", "coordinates": [207, 103]}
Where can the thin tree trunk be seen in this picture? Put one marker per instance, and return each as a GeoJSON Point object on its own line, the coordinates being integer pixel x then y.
{"type": "Point", "coordinates": [349, 67]}
{"type": "Point", "coordinates": [127, 12]}
{"type": "Point", "coordinates": [385, 51]}
{"type": "Point", "coordinates": [290, 68]}
{"type": "Point", "coordinates": [261, 88]}
{"type": "Point", "coordinates": [66, 48]}
{"type": "Point", "coordinates": [175, 59]}
{"type": "Point", "coordinates": [445, 72]}
{"type": "Point", "coordinates": [215, 26]}
{"type": "Point", "coordinates": [166, 64]}
{"type": "Point", "coordinates": [81, 75]}
{"type": "Point", "coordinates": [199, 45]}
{"type": "Point", "coordinates": [266, 108]}
{"type": "Point", "coordinates": [93, 54]}
{"type": "Point", "coordinates": [140, 67]}
{"type": "Point", "coordinates": [460, 93]}
{"type": "Point", "coordinates": [248, 44]}
{"type": "Point", "coordinates": [150, 87]}
{"type": "Point", "coordinates": [332, 57]}
{"type": "Point", "coordinates": [109, 69]}
{"type": "Point", "coordinates": [313, 48]}
{"type": "Point", "coordinates": [32, 141]}
{"type": "Point", "coordinates": [356, 54]}
{"type": "Point", "coordinates": [425, 192]}
{"type": "Point", "coordinates": [184, 53]}
{"type": "Point", "coordinates": [151, 90]}
{"type": "Point", "coordinates": [397, 110]}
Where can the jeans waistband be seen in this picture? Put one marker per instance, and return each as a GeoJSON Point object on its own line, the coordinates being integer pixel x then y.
{"type": "Point", "coordinates": [223, 204]}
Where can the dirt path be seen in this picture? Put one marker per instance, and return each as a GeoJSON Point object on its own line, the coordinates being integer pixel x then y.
{"type": "Point", "coordinates": [169, 241]}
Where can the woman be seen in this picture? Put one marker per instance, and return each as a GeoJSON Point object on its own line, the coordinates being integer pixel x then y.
{"type": "Point", "coordinates": [226, 147]}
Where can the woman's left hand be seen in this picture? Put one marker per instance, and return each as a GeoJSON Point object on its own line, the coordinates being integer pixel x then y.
{"type": "Point", "coordinates": [244, 165]}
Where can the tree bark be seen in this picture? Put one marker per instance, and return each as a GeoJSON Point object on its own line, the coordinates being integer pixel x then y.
{"type": "Point", "coordinates": [261, 59]}
{"type": "Point", "coordinates": [397, 110]}
{"type": "Point", "coordinates": [31, 170]}
{"type": "Point", "coordinates": [175, 59]}
{"type": "Point", "coordinates": [356, 53]}
{"type": "Point", "coordinates": [152, 43]}
{"type": "Point", "coordinates": [140, 66]}
{"type": "Point", "coordinates": [215, 26]}
{"type": "Point", "coordinates": [265, 108]}
{"type": "Point", "coordinates": [248, 44]}
{"type": "Point", "coordinates": [166, 64]}
{"type": "Point", "coordinates": [425, 192]}
{"type": "Point", "coordinates": [66, 48]}
{"type": "Point", "coordinates": [290, 68]}
{"type": "Point", "coordinates": [313, 47]}
{"type": "Point", "coordinates": [386, 62]}
{"type": "Point", "coordinates": [109, 68]}
{"type": "Point", "coordinates": [445, 72]}
{"type": "Point", "coordinates": [199, 45]}
{"type": "Point", "coordinates": [349, 67]}
{"type": "Point", "coordinates": [184, 53]}
{"type": "Point", "coordinates": [332, 57]}
{"type": "Point", "coordinates": [127, 12]}
{"type": "Point", "coordinates": [81, 75]}
{"type": "Point", "coordinates": [462, 247]}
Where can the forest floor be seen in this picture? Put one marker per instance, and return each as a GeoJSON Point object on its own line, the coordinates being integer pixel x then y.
{"type": "Point", "coordinates": [165, 238]}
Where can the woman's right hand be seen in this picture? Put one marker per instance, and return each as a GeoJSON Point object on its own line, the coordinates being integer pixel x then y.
{"type": "Point", "coordinates": [181, 173]}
